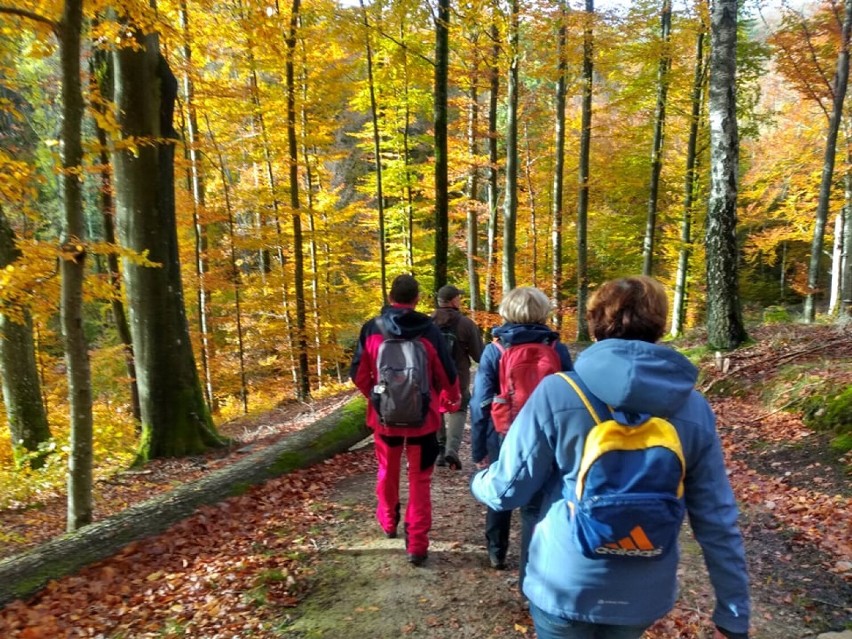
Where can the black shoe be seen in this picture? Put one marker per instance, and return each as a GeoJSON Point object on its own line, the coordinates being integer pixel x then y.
{"type": "Point", "coordinates": [390, 534]}
{"type": "Point", "coordinates": [417, 560]}
{"type": "Point", "coordinates": [452, 460]}
{"type": "Point", "coordinates": [496, 562]}
{"type": "Point", "coordinates": [441, 460]}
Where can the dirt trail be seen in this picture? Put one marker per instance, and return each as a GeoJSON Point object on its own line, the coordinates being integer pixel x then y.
{"type": "Point", "coordinates": [364, 587]}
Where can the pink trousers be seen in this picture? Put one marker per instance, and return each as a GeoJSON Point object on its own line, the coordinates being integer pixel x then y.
{"type": "Point", "coordinates": [420, 454]}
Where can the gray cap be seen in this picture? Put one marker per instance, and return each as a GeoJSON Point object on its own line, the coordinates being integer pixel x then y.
{"type": "Point", "coordinates": [447, 294]}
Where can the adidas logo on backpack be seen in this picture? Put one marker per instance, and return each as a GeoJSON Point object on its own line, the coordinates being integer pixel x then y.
{"type": "Point", "coordinates": [521, 368]}
{"type": "Point", "coordinates": [628, 500]}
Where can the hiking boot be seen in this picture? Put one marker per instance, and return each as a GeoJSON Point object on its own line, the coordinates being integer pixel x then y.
{"type": "Point", "coordinates": [452, 460]}
{"type": "Point", "coordinates": [496, 562]}
{"type": "Point", "coordinates": [417, 560]}
{"type": "Point", "coordinates": [441, 460]}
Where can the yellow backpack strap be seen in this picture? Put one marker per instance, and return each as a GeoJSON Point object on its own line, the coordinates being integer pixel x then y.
{"type": "Point", "coordinates": [582, 396]}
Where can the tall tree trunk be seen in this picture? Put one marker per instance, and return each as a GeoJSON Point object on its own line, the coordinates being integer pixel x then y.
{"type": "Point", "coordinates": [657, 145]}
{"type": "Point", "coordinates": [442, 195]}
{"type": "Point", "coordinates": [304, 386]}
{"type": "Point", "coordinates": [73, 270]}
{"type": "Point", "coordinates": [845, 310]}
{"type": "Point", "coordinates": [319, 338]}
{"type": "Point", "coordinates": [472, 192]}
{"type": "Point", "coordinates": [690, 187]}
{"type": "Point", "coordinates": [510, 198]}
{"type": "Point", "coordinates": [377, 151]}
{"type": "Point", "coordinates": [725, 328]}
{"type": "Point", "coordinates": [841, 79]}
{"type": "Point", "coordinates": [175, 417]}
{"type": "Point", "coordinates": [531, 196]}
{"type": "Point", "coordinates": [236, 278]}
{"type": "Point", "coordinates": [583, 195]}
{"type": "Point", "coordinates": [559, 167]}
{"type": "Point", "coordinates": [192, 139]}
{"type": "Point", "coordinates": [102, 77]}
{"type": "Point", "coordinates": [25, 414]}
{"type": "Point", "coordinates": [494, 88]}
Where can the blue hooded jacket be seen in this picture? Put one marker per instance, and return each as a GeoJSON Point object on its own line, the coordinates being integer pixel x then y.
{"type": "Point", "coordinates": [484, 439]}
{"type": "Point", "coordinates": [542, 450]}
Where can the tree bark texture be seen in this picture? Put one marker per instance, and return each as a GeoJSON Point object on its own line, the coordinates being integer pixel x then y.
{"type": "Point", "coordinates": [175, 417]}
{"type": "Point", "coordinates": [657, 144]}
{"type": "Point", "coordinates": [841, 79]}
{"type": "Point", "coordinates": [24, 574]}
{"type": "Point", "coordinates": [442, 195]}
{"type": "Point", "coordinates": [25, 412]}
{"type": "Point", "coordinates": [559, 166]}
{"type": "Point", "coordinates": [690, 186]}
{"type": "Point", "coordinates": [510, 197]}
{"type": "Point", "coordinates": [494, 87]}
{"type": "Point", "coordinates": [724, 318]}
{"type": "Point", "coordinates": [583, 195]}
{"type": "Point", "coordinates": [73, 271]}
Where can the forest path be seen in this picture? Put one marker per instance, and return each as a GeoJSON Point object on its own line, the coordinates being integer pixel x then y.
{"type": "Point", "coordinates": [302, 557]}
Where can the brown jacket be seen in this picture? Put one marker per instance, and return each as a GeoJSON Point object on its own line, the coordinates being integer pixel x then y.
{"type": "Point", "coordinates": [469, 341]}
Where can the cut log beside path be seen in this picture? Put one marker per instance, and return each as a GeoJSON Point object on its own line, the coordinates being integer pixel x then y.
{"type": "Point", "coordinates": [24, 574]}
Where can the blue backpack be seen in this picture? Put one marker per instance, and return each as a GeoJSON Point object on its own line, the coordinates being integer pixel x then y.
{"type": "Point", "coordinates": [628, 501]}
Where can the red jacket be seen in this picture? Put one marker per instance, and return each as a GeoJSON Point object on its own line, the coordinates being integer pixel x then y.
{"type": "Point", "coordinates": [404, 321]}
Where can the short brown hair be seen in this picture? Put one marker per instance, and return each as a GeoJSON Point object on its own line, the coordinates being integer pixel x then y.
{"type": "Point", "coordinates": [629, 308]}
{"type": "Point", "coordinates": [404, 289]}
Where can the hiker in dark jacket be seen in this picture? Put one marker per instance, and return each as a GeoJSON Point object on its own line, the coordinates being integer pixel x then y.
{"type": "Point", "coordinates": [525, 311]}
{"type": "Point", "coordinates": [419, 442]}
{"type": "Point", "coordinates": [625, 374]}
{"type": "Point", "coordinates": [468, 348]}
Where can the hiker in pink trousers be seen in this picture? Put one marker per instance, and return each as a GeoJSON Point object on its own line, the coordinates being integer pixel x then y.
{"type": "Point", "coordinates": [419, 441]}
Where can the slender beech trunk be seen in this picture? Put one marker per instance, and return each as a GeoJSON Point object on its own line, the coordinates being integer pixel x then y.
{"type": "Point", "coordinates": [406, 159]}
{"type": "Point", "coordinates": [494, 87]}
{"type": "Point", "coordinates": [442, 196]}
{"type": "Point", "coordinates": [841, 79]}
{"type": "Point", "coordinates": [312, 228]}
{"type": "Point", "coordinates": [690, 187]}
{"type": "Point", "coordinates": [472, 190]}
{"type": "Point", "coordinates": [236, 277]}
{"type": "Point", "coordinates": [304, 386]}
{"type": "Point", "coordinates": [659, 132]}
{"type": "Point", "coordinates": [845, 310]}
{"type": "Point", "coordinates": [583, 195]}
{"type": "Point", "coordinates": [559, 167]}
{"type": "Point", "coordinates": [510, 199]}
{"type": "Point", "coordinates": [725, 328]}
{"type": "Point", "coordinates": [377, 152]}
{"type": "Point", "coordinates": [73, 269]}
{"type": "Point", "coordinates": [531, 195]}
{"type": "Point", "coordinates": [196, 183]}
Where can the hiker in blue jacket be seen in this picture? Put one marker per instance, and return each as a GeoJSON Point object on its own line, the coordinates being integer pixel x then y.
{"type": "Point", "coordinates": [524, 310]}
{"type": "Point", "coordinates": [575, 597]}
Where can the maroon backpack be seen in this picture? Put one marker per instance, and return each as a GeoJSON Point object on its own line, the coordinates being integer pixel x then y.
{"type": "Point", "coordinates": [522, 367]}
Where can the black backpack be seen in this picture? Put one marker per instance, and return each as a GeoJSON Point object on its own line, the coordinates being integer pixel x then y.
{"type": "Point", "coordinates": [451, 337]}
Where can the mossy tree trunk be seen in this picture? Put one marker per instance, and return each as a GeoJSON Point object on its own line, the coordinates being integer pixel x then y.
{"type": "Point", "coordinates": [24, 574]}
{"type": "Point", "coordinates": [175, 417]}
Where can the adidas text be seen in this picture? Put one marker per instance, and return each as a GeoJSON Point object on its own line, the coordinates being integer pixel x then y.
{"type": "Point", "coordinates": [627, 552]}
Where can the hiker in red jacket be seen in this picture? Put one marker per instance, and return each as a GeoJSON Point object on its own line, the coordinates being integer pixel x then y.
{"type": "Point", "coordinates": [399, 322]}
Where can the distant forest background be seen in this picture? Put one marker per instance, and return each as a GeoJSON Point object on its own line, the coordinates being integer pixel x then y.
{"type": "Point", "coordinates": [249, 175]}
